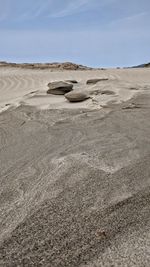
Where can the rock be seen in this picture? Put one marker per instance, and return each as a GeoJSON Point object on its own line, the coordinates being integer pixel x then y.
{"type": "Point", "coordinates": [94, 81]}
{"type": "Point", "coordinates": [107, 92]}
{"type": "Point", "coordinates": [59, 88]}
{"type": "Point", "coordinates": [76, 96]}
{"type": "Point", "coordinates": [71, 81]}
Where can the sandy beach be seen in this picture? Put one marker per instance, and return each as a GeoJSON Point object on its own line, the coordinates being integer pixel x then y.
{"type": "Point", "coordinates": [75, 177]}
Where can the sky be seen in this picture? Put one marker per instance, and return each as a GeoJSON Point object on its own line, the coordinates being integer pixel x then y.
{"type": "Point", "coordinates": [97, 33]}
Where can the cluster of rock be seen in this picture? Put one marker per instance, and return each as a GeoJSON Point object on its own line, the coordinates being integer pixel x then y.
{"type": "Point", "coordinates": [59, 88]}
{"type": "Point", "coordinates": [66, 88]}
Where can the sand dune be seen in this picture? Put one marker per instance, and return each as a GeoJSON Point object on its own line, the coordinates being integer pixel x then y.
{"type": "Point", "coordinates": [74, 177]}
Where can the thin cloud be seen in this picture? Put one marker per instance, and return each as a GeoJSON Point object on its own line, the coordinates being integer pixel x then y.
{"type": "Point", "coordinates": [129, 19]}
{"type": "Point", "coordinates": [38, 9]}
{"type": "Point", "coordinates": [80, 6]}
{"type": "Point", "coordinates": [47, 8]}
{"type": "Point", "coordinates": [71, 8]}
{"type": "Point", "coordinates": [50, 9]}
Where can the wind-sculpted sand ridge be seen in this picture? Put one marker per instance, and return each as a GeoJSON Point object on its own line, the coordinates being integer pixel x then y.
{"type": "Point", "coordinates": [19, 86]}
{"type": "Point", "coordinates": [75, 177]}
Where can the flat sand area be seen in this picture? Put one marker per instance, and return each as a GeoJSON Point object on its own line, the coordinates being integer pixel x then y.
{"type": "Point", "coordinates": [75, 177]}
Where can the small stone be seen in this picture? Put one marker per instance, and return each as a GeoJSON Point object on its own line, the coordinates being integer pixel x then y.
{"type": "Point", "coordinates": [94, 81]}
{"type": "Point", "coordinates": [101, 234]}
{"type": "Point", "coordinates": [107, 92]}
{"type": "Point", "coordinates": [71, 81]}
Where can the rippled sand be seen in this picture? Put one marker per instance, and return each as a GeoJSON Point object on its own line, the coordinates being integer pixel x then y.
{"type": "Point", "coordinates": [28, 87]}
{"type": "Point", "coordinates": [74, 178]}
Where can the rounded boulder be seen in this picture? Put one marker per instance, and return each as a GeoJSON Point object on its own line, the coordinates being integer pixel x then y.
{"type": "Point", "coordinates": [76, 96]}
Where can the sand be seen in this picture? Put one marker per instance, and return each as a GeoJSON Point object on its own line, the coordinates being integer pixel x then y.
{"type": "Point", "coordinates": [28, 87]}
{"type": "Point", "coordinates": [75, 177]}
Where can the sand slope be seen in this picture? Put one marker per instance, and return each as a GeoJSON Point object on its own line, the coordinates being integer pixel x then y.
{"type": "Point", "coordinates": [75, 182]}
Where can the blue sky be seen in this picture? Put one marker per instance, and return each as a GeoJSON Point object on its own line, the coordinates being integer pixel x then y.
{"type": "Point", "coordinates": [102, 33]}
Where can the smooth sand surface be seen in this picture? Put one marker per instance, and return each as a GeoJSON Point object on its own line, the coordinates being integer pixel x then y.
{"type": "Point", "coordinates": [75, 177]}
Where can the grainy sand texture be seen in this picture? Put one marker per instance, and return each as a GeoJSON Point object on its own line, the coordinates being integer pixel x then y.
{"type": "Point", "coordinates": [75, 177]}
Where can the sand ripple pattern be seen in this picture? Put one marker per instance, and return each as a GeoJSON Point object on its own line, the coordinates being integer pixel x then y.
{"type": "Point", "coordinates": [74, 183]}
{"type": "Point", "coordinates": [19, 86]}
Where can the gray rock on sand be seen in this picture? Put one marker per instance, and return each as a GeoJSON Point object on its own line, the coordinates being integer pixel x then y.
{"type": "Point", "coordinates": [59, 88]}
{"type": "Point", "coordinates": [76, 96]}
{"type": "Point", "coordinates": [71, 81]}
{"type": "Point", "coordinates": [94, 81]}
{"type": "Point", "coordinates": [107, 92]}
